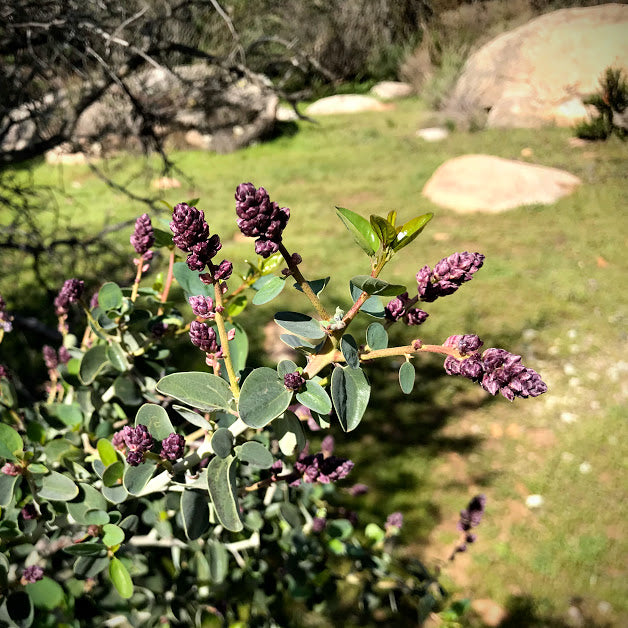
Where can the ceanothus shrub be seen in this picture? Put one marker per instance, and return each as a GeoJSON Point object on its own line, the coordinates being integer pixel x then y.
{"type": "Point", "coordinates": [135, 488]}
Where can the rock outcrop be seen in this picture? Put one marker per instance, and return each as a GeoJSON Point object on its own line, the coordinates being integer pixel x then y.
{"type": "Point", "coordinates": [492, 184]}
{"type": "Point", "coordinates": [539, 73]}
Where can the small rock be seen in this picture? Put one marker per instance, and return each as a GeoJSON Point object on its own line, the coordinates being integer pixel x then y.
{"type": "Point", "coordinates": [527, 152]}
{"type": "Point", "coordinates": [196, 139]}
{"type": "Point", "coordinates": [389, 90]}
{"type": "Point", "coordinates": [433, 134]}
{"type": "Point", "coordinates": [585, 468]}
{"type": "Point", "coordinates": [166, 183]}
{"type": "Point", "coordinates": [575, 617]}
{"type": "Point", "coordinates": [346, 103]}
{"type": "Point", "coordinates": [534, 501]}
{"type": "Point", "coordinates": [604, 607]}
{"type": "Point", "coordinates": [286, 114]}
{"type": "Point", "coordinates": [441, 236]}
{"type": "Point", "coordinates": [489, 611]}
{"type": "Point", "coordinates": [60, 155]}
{"type": "Point", "coordinates": [568, 417]}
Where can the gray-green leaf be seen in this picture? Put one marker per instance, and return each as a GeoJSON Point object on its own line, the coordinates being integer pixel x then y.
{"type": "Point", "coordinates": [315, 398]}
{"type": "Point", "coordinates": [263, 397]}
{"type": "Point", "coordinates": [197, 389]}
{"type": "Point", "coordinates": [376, 336]}
{"type": "Point", "coordinates": [156, 419]}
{"type": "Point", "coordinates": [195, 513]}
{"type": "Point", "coordinates": [221, 482]}
{"type": "Point", "coordinates": [406, 377]}
{"type": "Point", "coordinates": [299, 324]}
{"type": "Point", "coordinates": [349, 348]}
{"type": "Point", "coordinates": [350, 392]}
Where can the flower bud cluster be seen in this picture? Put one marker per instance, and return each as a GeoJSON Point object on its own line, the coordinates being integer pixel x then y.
{"type": "Point", "coordinates": [204, 337]}
{"type": "Point", "coordinates": [318, 468]}
{"type": "Point", "coordinates": [397, 309]}
{"type": "Point", "coordinates": [394, 522]}
{"type": "Point", "coordinates": [138, 441]}
{"type": "Point", "coordinates": [50, 357]}
{"type": "Point", "coordinates": [470, 517]}
{"type": "Point", "coordinates": [202, 306]}
{"type": "Point", "coordinates": [5, 317]}
{"type": "Point", "coordinates": [293, 381]}
{"type": "Point", "coordinates": [172, 447]}
{"type": "Point", "coordinates": [191, 234]}
{"type": "Point", "coordinates": [448, 275]}
{"type": "Point", "coordinates": [29, 512]}
{"type": "Point", "coordinates": [31, 574]}
{"type": "Point", "coordinates": [70, 293]}
{"type": "Point", "coordinates": [496, 370]}
{"type": "Point", "coordinates": [143, 237]}
{"type": "Point", "coordinates": [4, 372]}
{"type": "Point", "coordinates": [261, 218]}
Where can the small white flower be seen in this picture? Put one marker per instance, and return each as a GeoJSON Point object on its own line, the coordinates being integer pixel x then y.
{"type": "Point", "coordinates": [534, 501]}
{"type": "Point", "coordinates": [585, 468]}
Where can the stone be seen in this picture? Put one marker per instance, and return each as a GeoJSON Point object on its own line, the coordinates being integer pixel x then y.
{"type": "Point", "coordinates": [433, 134]}
{"type": "Point", "coordinates": [165, 183]}
{"type": "Point", "coordinates": [345, 103]}
{"type": "Point", "coordinates": [489, 611]}
{"type": "Point", "coordinates": [63, 154]}
{"type": "Point", "coordinates": [540, 72]}
{"type": "Point", "coordinates": [286, 114]}
{"type": "Point", "coordinates": [492, 184]}
{"type": "Point", "coordinates": [391, 90]}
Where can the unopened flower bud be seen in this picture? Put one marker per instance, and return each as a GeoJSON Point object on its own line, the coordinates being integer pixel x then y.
{"type": "Point", "coordinates": [202, 306]}
{"type": "Point", "coordinates": [203, 336]}
{"type": "Point", "coordinates": [293, 381]}
{"type": "Point", "coordinates": [172, 447]}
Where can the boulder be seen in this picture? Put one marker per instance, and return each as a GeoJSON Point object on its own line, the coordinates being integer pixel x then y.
{"type": "Point", "coordinates": [540, 72]}
{"type": "Point", "coordinates": [209, 106]}
{"type": "Point", "coordinates": [492, 184]}
{"type": "Point", "coordinates": [390, 90]}
{"type": "Point", "coordinates": [345, 103]}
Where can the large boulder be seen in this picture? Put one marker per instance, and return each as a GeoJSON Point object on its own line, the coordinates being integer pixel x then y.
{"type": "Point", "coordinates": [539, 73]}
{"type": "Point", "coordinates": [492, 184]}
{"type": "Point", "coordinates": [216, 108]}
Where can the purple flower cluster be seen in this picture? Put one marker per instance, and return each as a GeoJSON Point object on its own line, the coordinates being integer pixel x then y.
{"type": "Point", "coordinates": [70, 293]}
{"type": "Point", "coordinates": [172, 447]}
{"type": "Point", "coordinates": [31, 574]}
{"type": "Point", "coordinates": [138, 441]}
{"type": "Point", "coordinates": [496, 370]}
{"type": "Point", "coordinates": [143, 237]}
{"type": "Point", "coordinates": [203, 336]}
{"type": "Point", "coordinates": [261, 218]}
{"type": "Point", "coordinates": [470, 518]}
{"type": "Point", "coordinates": [4, 372]}
{"type": "Point", "coordinates": [394, 521]}
{"type": "Point", "coordinates": [29, 512]}
{"type": "Point", "coordinates": [358, 489]}
{"type": "Point", "coordinates": [448, 275]}
{"type": "Point", "coordinates": [50, 357]}
{"type": "Point", "coordinates": [397, 309]}
{"type": "Point", "coordinates": [191, 234]}
{"type": "Point", "coordinates": [202, 306]}
{"type": "Point", "coordinates": [293, 381]}
{"type": "Point", "coordinates": [327, 446]}
{"type": "Point", "coordinates": [5, 317]}
{"type": "Point", "coordinates": [318, 524]}
{"type": "Point", "coordinates": [10, 469]}
{"type": "Point", "coordinates": [318, 468]}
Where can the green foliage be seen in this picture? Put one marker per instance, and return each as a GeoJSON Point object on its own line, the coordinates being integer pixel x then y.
{"type": "Point", "coordinates": [611, 104]}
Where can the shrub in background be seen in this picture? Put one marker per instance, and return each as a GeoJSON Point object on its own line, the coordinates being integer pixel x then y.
{"type": "Point", "coordinates": [140, 491]}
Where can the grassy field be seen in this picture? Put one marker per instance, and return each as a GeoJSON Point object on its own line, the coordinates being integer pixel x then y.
{"type": "Point", "coordinates": [552, 289]}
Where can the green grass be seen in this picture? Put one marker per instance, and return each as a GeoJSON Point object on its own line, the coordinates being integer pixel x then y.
{"type": "Point", "coordinates": [553, 289]}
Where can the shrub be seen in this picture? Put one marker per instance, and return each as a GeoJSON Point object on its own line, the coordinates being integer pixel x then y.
{"type": "Point", "coordinates": [139, 489]}
{"type": "Point", "coordinates": [611, 104]}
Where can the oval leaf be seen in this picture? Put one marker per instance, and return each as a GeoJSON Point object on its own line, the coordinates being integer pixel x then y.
{"type": "Point", "coordinates": [45, 593]}
{"type": "Point", "coordinates": [113, 535]}
{"type": "Point", "coordinates": [372, 285]}
{"type": "Point", "coordinates": [195, 513]}
{"type": "Point", "coordinates": [315, 398]}
{"type": "Point", "coordinates": [120, 578]}
{"type": "Point", "coordinates": [286, 366]}
{"type": "Point", "coordinates": [113, 474]}
{"type": "Point", "coordinates": [58, 487]}
{"type": "Point", "coordinates": [360, 229]}
{"type": "Point", "coordinates": [90, 566]}
{"type": "Point", "coordinates": [263, 397]}
{"type": "Point", "coordinates": [93, 362]}
{"type": "Point", "coordinates": [218, 561]}
{"type": "Point", "coordinates": [295, 342]}
{"type": "Point", "coordinates": [96, 517]}
{"type": "Point", "coordinates": [372, 306]}
{"type": "Point", "coordinates": [221, 482]}
{"type": "Point", "coordinates": [84, 549]}
{"type": "Point", "coordinates": [269, 290]}
{"type": "Point", "coordinates": [136, 478]}
{"type": "Point", "coordinates": [289, 433]}
{"type": "Point", "coordinates": [110, 297]}
{"type": "Point", "coordinates": [317, 285]}
{"type": "Point", "coordinates": [406, 377]}
{"type": "Point", "coordinates": [237, 305]}
{"type": "Point", "coordinates": [410, 230]}
{"type": "Point", "coordinates": [350, 392]}
{"type": "Point", "coordinates": [117, 357]}
{"type": "Point", "coordinates": [106, 451]}
{"type": "Point", "coordinates": [192, 417]}
{"type": "Point", "coordinates": [7, 486]}
{"type": "Point", "coordinates": [190, 282]}
{"type": "Point", "coordinates": [197, 389]}
{"type": "Point", "coordinates": [299, 324]}
{"type": "Point", "coordinates": [349, 349]}
{"type": "Point", "coordinates": [222, 442]}
{"type": "Point", "coordinates": [255, 454]}
{"type": "Point", "coordinates": [155, 418]}
{"type": "Point", "coordinates": [376, 336]}
{"type": "Point", "coordinates": [383, 229]}
{"type": "Point", "coordinates": [10, 442]}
